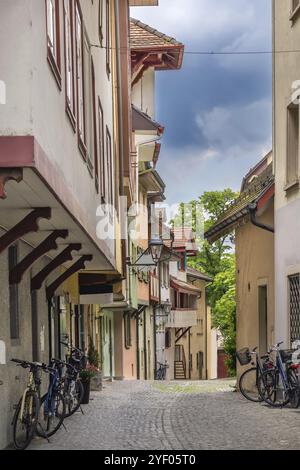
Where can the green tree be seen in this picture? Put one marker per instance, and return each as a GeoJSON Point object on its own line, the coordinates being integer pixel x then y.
{"type": "Point", "coordinates": [218, 261]}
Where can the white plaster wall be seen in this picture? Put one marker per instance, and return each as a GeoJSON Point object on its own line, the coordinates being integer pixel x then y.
{"type": "Point", "coordinates": [13, 377]}
{"type": "Point", "coordinates": [35, 105]}
{"type": "Point", "coordinates": [287, 204]}
{"type": "Point", "coordinates": [143, 93]}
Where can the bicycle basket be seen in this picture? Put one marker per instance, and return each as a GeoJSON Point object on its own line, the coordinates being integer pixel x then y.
{"type": "Point", "coordinates": [286, 354]}
{"type": "Point", "coordinates": [244, 356]}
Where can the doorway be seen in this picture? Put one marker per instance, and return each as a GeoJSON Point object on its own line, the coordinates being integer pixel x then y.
{"type": "Point", "coordinates": [263, 318]}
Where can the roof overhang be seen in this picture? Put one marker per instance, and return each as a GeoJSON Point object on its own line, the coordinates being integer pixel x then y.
{"type": "Point", "coordinates": [151, 181]}
{"type": "Point", "coordinates": [152, 49]}
{"type": "Point", "coordinates": [241, 216]}
{"type": "Point", "coordinates": [143, 3]}
{"type": "Point", "coordinates": [144, 124]}
{"type": "Point", "coordinates": [184, 287]}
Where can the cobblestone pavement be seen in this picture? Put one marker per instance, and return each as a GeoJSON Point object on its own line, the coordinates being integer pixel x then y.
{"type": "Point", "coordinates": [176, 416]}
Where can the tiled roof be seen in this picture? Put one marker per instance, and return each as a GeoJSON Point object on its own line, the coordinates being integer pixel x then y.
{"type": "Point", "coordinates": [238, 210]}
{"type": "Point", "coordinates": [143, 36]}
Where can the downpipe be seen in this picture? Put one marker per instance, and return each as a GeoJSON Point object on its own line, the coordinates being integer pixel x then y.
{"type": "Point", "coordinates": [252, 208]}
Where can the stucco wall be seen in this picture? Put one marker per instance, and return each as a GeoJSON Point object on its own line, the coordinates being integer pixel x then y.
{"type": "Point", "coordinates": [287, 203]}
{"type": "Point", "coordinates": [35, 105]}
{"type": "Point", "coordinates": [13, 377]}
{"type": "Point", "coordinates": [255, 266]}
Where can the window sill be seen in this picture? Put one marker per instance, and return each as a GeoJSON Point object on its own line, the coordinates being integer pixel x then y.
{"type": "Point", "coordinates": [71, 117]}
{"type": "Point", "coordinates": [294, 14]}
{"type": "Point", "coordinates": [82, 148]}
{"type": "Point", "coordinates": [55, 69]}
{"type": "Point", "coordinates": [291, 186]}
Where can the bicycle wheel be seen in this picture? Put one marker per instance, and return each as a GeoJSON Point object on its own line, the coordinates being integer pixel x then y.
{"type": "Point", "coordinates": [24, 426]}
{"type": "Point", "coordinates": [294, 392]}
{"type": "Point", "coordinates": [51, 417]}
{"type": "Point", "coordinates": [248, 385]}
{"type": "Point", "coordinates": [274, 393]}
{"type": "Point", "coordinates": [73, 397]}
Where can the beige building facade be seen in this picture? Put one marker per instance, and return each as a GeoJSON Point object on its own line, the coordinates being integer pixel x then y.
{"type": "Point", "coordinates": [251, 218]}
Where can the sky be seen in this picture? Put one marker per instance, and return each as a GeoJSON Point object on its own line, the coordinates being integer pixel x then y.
{"type": "Point", "coordinates": [217, 110]}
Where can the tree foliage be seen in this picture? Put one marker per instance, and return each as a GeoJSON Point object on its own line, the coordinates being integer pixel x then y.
{"type": "Point", "coordinates": [218, 261]}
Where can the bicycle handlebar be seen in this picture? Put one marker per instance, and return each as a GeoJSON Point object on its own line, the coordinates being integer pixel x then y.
{"type": "Point", "coordinates": [27, 364]}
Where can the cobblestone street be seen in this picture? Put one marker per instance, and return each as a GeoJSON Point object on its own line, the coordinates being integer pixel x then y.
{"type": "Point", "coordinates": [176, 416]}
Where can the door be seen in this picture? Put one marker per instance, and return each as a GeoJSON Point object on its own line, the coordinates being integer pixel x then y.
{"type": "Point", "coordinates": [263, 318]}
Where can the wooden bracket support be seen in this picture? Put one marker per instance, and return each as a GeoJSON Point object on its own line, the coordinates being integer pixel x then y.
{"type": "Point", "coordinates": [16, 274]}
{"type": "Point", "coordinates": [9, 174]}
{"type": "Point", "coordinates": [27, 225]}
{"type": "Point", "coordinates": [65, 255]}
{"type": "Point", "coordinates": [80, 264]}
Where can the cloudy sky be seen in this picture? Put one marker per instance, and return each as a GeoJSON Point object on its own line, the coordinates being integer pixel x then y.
{"type": "Point", "coordinates": [217, 109]}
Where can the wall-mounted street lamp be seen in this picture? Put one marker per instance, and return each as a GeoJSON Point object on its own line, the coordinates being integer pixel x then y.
{"type": "Point", "coordinates": [151, 257]}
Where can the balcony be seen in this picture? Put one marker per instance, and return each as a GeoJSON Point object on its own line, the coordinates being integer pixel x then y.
{"type": "Point", "coordinates": [182, 318]}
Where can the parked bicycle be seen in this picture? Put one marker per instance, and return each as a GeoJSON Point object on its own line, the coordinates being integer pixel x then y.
{"type": "Point", "coordinates": [53, 405]}
{"type": "Point", "coordinates": [73, 390]}
{"type": "Point", "coordinates": [25, 420]}
{"type": "Point", "coordinates": [251, 381]}
{"type": "Point", "coordinates": [274, 380]}
{"type": "Point", "coordinates": [162, 371]}
{"type": "Point", "coordinates": [282, 382]}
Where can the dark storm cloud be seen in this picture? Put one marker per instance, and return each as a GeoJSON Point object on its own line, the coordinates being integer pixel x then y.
{"type": "Point", "coordinates": [217, 109]}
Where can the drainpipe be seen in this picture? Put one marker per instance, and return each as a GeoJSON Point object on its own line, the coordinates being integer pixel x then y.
{"type": "Point", "coordinates": [252, 208]}
{"type": "Point", "coordinates": [124, 243]}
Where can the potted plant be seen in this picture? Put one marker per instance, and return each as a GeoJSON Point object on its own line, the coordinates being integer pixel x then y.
{"type": "Point", "coordinates": [86, 375]}
{"type": "Point", "coordinates": [93, 358]}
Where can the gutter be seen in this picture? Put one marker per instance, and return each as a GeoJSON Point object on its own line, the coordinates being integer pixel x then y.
{"type": "Point", "coordinates": [252, 208]}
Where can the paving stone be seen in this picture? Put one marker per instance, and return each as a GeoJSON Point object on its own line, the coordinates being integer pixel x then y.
{"type": "Point", "coordinates": [175, 416]}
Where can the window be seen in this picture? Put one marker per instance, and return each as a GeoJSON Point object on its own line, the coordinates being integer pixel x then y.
{"type": "Point", "coordinates": [80, 83]}
{"type": "Point", "coordinates": [13, 295]}
{"type": "Point", "coordinates": [88, 102]}
{"type": "Point", "coordinates": [53, 39]}
{"type": "Point", "coordinates": [95, 143]}
{"type": "Point", "coordinates": [294, 301]}
{"type": "Point", "coordinates": [168, 340]}
{"type": "Point", "coordinates": [127, 330]}
{"type": "Point", "coordinates": [101, 150]}
{"type": "Point", "coordinates": [109, 163]}
{"type": "Point", "coordinates": [292, 145]}
{"type": "Point", "coordinates": [108, 37]}
{"type": "Point", "coordinates": [101, 22]}
{"type": "Point", "coordinates": [69, 59]}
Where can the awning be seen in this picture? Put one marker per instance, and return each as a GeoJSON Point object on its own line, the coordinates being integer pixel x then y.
{"type": "Point", "coordinates": [144, 123]}
{"type": "Point", "coordinates": [184, 287]}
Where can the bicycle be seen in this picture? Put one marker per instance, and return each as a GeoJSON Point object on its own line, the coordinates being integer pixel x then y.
{"type": "Point", "coordinates": [162, 371]}
{"type": "Point", "coordinates": [25, 419]}
{"type": "Point", "coordinates": [73, 390]}
{"type": "Point", "coordinates": [251, 382]}
{"type": "Point", "coordinates": [53, 405]}
{"type": "Point", "coordinates": [282, 383]}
